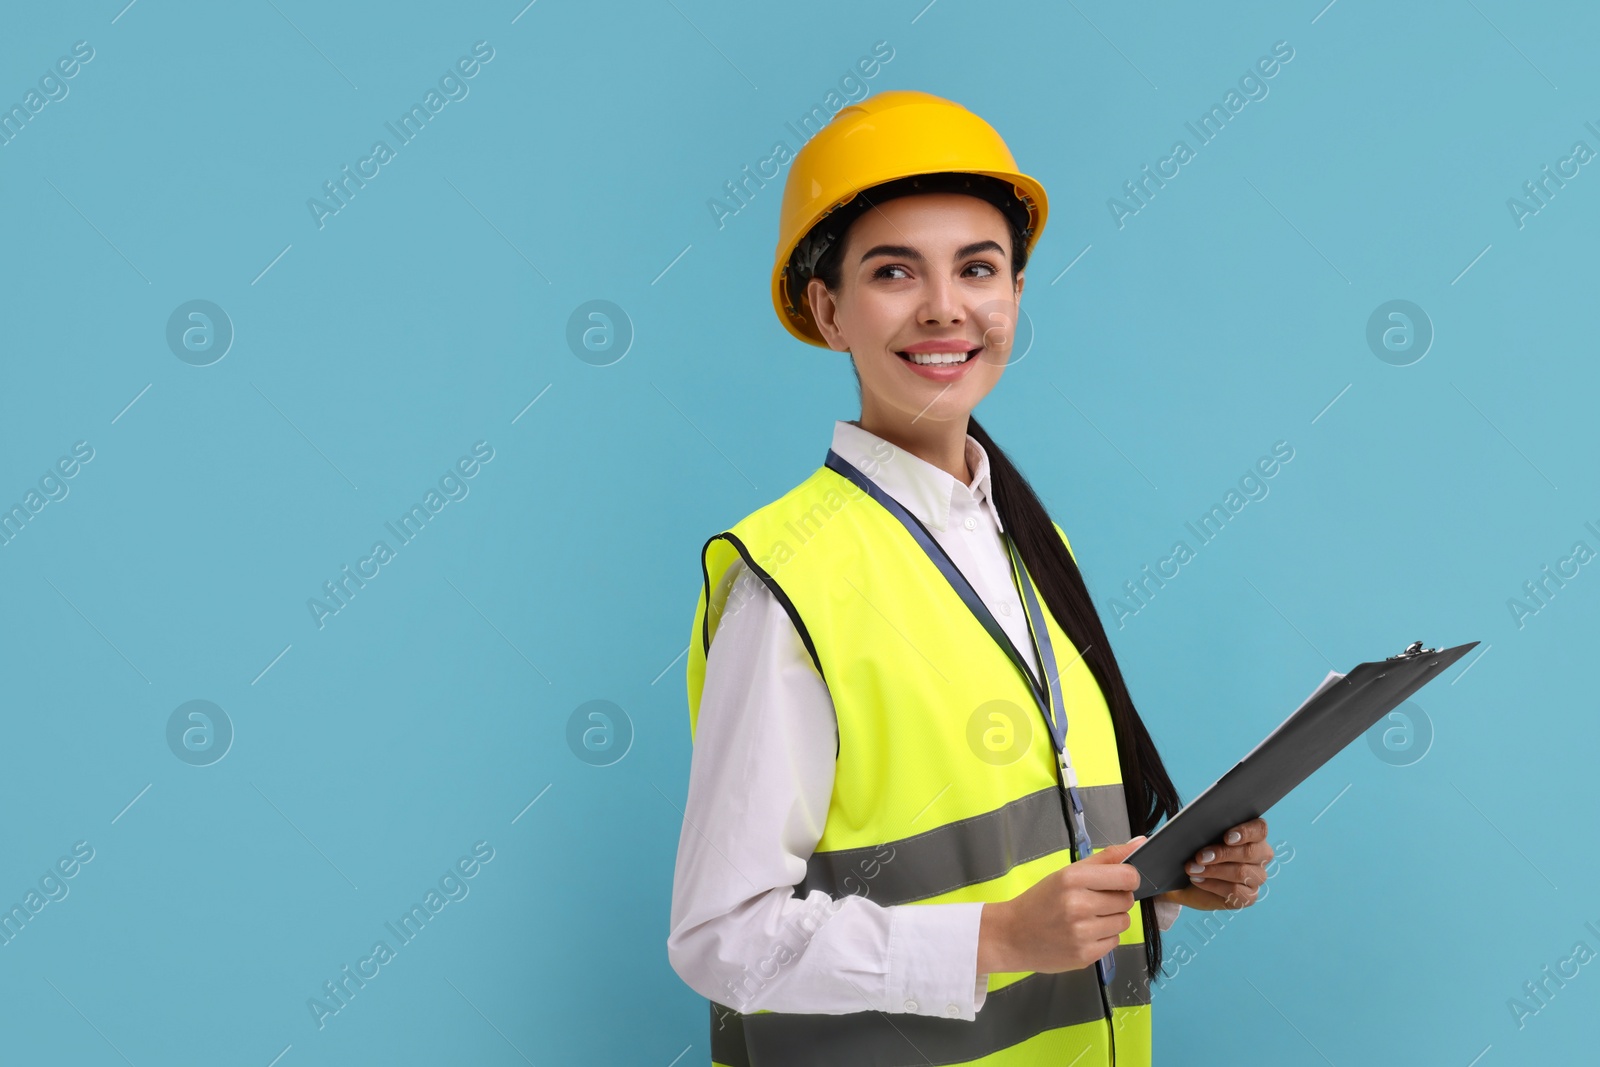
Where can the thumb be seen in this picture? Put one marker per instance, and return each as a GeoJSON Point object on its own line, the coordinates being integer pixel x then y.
{"type": "Point", "coordinates": [1115, 853]}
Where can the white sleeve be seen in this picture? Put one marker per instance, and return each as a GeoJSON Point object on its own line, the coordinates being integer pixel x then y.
{"type": "Point", "coordinates": [760, 780]}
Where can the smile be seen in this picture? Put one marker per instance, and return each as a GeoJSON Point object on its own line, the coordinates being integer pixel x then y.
{"type": "Point", "coordinates": [925, 359]}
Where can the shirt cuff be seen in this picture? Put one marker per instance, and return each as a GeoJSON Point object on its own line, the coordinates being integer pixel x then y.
{"type": "Point", "coordinates": [1167, 914]}
{"type": "Point", "coordinates": [933, 960]}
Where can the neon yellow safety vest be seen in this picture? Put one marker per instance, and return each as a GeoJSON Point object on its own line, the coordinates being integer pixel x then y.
{"type": "Point", "coordinates": [946, 788]}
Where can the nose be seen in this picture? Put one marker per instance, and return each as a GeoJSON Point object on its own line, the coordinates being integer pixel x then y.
{"type": "Point", "coordinates": [941, 303]}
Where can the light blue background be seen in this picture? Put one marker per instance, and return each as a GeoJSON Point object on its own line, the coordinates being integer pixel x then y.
{"type": "Point", "coordinates": [426, 315]}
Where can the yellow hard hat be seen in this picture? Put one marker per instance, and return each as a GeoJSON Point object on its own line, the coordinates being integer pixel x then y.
{"type": "Point", "coordinates": [896, 134]}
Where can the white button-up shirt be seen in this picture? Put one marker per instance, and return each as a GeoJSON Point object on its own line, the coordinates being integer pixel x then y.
{"type": "Point", "coordinates": [761, 778]}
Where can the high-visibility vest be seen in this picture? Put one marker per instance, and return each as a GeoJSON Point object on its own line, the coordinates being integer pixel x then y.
{"type": "Point", "coordinates": [946, 788]}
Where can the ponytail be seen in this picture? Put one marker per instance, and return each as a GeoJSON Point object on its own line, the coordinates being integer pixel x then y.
{"type": "Point", "coordinates": [1150, 793]}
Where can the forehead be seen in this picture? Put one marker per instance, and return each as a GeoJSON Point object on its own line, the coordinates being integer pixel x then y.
{"type": "Point", "coordinates": [931, 221]}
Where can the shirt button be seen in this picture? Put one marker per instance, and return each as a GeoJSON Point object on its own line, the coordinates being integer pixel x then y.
{"type": "Point", "coordinates": [911, 1005]}
{"type": "Point", "coordinates": [971, 523]}
{"type": "Point", "coordinates": [1005, 609]}
{"type": "Point", "coordinates": [951, 1010]}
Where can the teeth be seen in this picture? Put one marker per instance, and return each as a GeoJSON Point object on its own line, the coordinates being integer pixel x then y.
{"type": "Point", "coordinates": [937, 357]}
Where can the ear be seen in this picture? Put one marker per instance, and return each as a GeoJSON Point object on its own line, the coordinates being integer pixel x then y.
{"type": "Point", "coordinates": [824, 312]}
{"type": "Point", "coordinates": [1022, 276]}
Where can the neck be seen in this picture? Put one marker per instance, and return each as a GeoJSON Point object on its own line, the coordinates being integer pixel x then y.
{"type": "Point", "coordinates": [941, 443]}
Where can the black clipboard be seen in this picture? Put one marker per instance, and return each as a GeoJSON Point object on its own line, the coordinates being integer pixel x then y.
{"type": "Point", "coordinates": [1337, 712]}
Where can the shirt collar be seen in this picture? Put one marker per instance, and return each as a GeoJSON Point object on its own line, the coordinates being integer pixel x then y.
{"type": "Point", "coordinates": [919, 486]}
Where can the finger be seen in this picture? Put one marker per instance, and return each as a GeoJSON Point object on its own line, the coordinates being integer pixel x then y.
{"type": "Point", "coordinates": [1254, 830]}
{"type": "Point", "coordinates": [1243, 873]}
{"type": "Point", "coordinates": [1231, 894]}
{"type": "Point", "coordinates": [1110, 904]}
{"type": "Point", "coordinates": [1106, 877]}
{"type": "Point", "coordinates": [1114, 853]}
{"type": "Point", "coordinates": [1254, 852]}
{"type": "Point", "coordinates": [1100, 945]}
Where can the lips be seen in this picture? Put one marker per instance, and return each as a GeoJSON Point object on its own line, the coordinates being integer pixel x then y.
{"type": "Point", "coordinates": [944, 373]}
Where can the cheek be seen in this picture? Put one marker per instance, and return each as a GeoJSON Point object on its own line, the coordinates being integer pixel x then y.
{"type": "Point", "coordinates": [878, 366]}
{"type": "Point", "coordinates": [994, 360]}
{"type": "Point", "coordinates": [882, 320]}
{"type": "Point", "coordinates": [987, 375]}
{"type": "Point", "coordinates": [872, 333]}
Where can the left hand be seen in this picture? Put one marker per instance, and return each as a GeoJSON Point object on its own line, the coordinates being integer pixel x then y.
{"type": "Point", "coordinates": [1227, 875]}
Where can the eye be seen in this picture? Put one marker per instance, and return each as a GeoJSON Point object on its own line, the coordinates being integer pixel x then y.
{"type": "Point", "coordinates": [883, 272]}
{"type": "Point", "coordinates": [986, 265]}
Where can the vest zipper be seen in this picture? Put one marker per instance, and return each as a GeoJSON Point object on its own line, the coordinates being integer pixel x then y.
{"type": "Point", "coordinates": [1111, 1022]}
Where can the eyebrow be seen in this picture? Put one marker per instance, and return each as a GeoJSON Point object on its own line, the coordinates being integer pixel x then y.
{"type": "Point", "coordinates": [907, 252]}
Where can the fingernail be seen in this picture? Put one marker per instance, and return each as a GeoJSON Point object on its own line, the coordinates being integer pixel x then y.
{"type": "Point", "coordinates": [1233, 837]}
{"type": "Point", "coordinates": [1207, 856]}
{"type": "Point", "coordinates": [1195, 868]}
{"type": "Point", "coordinates": [1197, 879]}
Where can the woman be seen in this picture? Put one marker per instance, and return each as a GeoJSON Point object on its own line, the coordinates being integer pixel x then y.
{"type": "Point", "coordinates": [917, 766]}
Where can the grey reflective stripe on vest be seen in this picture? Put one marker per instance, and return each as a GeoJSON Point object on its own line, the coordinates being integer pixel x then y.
{"type": "Point", "coordinates": [966, 851]}
{"type": "Point", "coordinates": [1131, 986]}
{"type": "Point", "coordinates": [1008, 1017]}
{"type": "Point", "coordinates": [1105, 809]}
{"type": "Point", "coordinates": [727, 1037]}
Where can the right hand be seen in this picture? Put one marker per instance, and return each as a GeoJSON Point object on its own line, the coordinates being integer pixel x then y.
{"type": "Point", "coordinates": [1064, 921]}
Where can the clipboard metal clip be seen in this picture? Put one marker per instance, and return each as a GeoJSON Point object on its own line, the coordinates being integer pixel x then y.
{"type": "Point", "coordinates": [1413, 650]}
